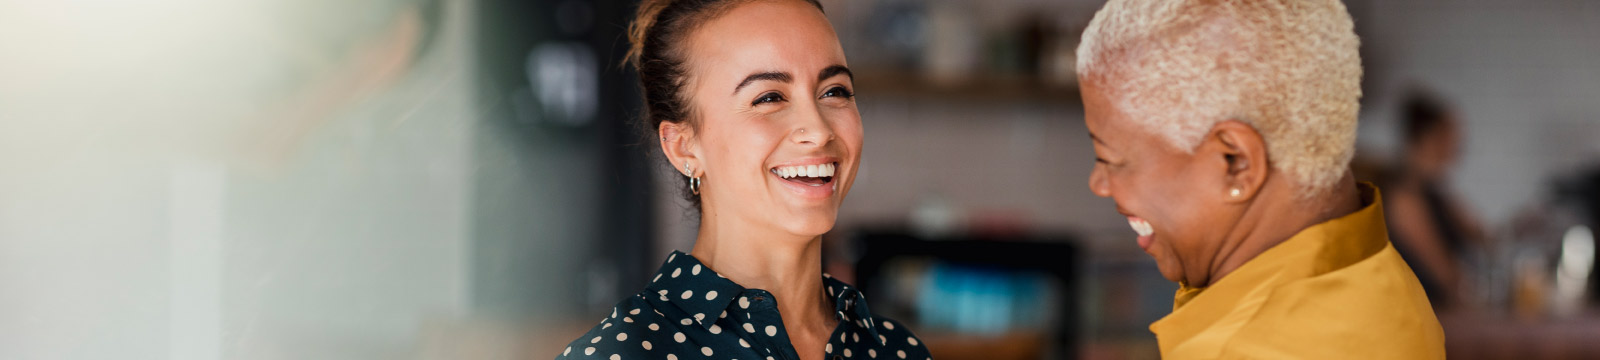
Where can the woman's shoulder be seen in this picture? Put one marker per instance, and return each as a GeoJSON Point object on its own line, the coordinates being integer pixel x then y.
{"type": "Point", "coordinates": [894, 340]}
{"type": "Point", "coordinates": [632, 330]}
{"type": "Point", "coordinates": [897, 341]}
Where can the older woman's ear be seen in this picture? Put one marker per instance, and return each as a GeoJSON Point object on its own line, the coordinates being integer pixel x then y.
{"type": "Point", "coordinates": [1243, 152]}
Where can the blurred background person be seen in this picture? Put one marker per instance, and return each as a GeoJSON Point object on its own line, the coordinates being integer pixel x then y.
{"type": "Point", "coordinates": [1426, 220]}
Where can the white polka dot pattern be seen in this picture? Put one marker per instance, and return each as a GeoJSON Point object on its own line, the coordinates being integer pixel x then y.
{"type": "Point", "coordinates": [684, 292]}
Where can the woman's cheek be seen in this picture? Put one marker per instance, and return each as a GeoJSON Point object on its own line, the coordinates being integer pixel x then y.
{"type": "Point", "coordinates": [851, 131]}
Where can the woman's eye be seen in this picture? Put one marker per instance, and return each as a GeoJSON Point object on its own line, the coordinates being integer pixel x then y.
{"type": "Point", "coordinates": [768, 98]}
{"type": "Point", "coordinates": [839, 91]}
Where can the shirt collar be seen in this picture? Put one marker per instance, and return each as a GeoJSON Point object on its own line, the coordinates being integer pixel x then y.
{"type": "Point", "coordinates": [694, 288]}
{"type": "Point", "coordinates": [684, 274]}
{"type": "Point", "coordinates": [1316, 250]}
{"type": "Point", "coordinates": [851, 306]}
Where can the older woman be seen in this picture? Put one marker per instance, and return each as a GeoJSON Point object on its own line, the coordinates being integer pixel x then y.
{"type": "Point", "coordinates": [1224, 131]}
{"type": "Point", "coordinates": [753, 104]}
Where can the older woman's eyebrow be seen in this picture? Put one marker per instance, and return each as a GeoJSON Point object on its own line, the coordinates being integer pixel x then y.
{"type": "Point", "coordinates": [782, 77]}
{"type": "Point", "coordinates": [833, 71]}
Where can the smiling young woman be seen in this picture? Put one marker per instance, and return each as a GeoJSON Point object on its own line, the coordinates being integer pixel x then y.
{"type": "Point", "coordinates": [753, 103]}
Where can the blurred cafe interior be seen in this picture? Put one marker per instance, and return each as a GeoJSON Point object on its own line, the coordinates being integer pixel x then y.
{"type": "Point", "coordinates": [459, 179]}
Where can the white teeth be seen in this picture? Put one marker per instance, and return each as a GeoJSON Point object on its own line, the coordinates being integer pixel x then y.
{"type": "Point", "coordinates": [820, 170]}
{"type": "Point", "coordinates": [1142, 227]}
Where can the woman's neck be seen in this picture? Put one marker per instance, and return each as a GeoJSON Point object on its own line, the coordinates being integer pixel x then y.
{"type": "Point", "coordinates": [1278, 214]}
{"type": "Point", "coordinates": [788, 266]}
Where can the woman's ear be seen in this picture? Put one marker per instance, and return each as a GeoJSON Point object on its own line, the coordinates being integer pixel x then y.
{"type": "Point", "coordinates": [677, 143]}
{"type": "Point", "coordinates": [1243, 151]}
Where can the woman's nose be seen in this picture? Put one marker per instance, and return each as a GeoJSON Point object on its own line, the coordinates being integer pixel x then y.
{"type": "Point", "coordinates": [814, 130]}
{"type": "Point", "coordinates": [1097, 182]}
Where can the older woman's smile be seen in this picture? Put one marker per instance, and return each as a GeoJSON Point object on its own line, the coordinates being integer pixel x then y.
{"type": "Point", "coordinates": [1141, 227]}
{"type": "Point", "coordinates": [1145, 231]}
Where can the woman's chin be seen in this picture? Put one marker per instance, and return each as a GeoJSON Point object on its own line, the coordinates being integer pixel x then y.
{"type": "Point", "coordinates": [811, 225]}
{"type": "Point", "coordinates": [1170, 272]}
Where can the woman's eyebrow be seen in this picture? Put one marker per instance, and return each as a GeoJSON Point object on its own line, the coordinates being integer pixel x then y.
{"type": "Point", "coordinates": [835, 70]}
{"type": "Point", "coordinates": [782, 77]}
{"type": "Point", "coordinates": [1097, 141]}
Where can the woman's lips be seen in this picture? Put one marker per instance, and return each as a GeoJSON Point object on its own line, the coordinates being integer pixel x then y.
{"type": "Point", "coordinates": [1145, 231]}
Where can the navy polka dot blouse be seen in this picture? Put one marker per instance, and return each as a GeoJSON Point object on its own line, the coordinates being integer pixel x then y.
{"type": "Point", "coordinates": [689, 312]}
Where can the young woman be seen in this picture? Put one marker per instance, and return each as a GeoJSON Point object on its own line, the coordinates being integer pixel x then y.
{"type": "Point", "coordinates": [753, 104]}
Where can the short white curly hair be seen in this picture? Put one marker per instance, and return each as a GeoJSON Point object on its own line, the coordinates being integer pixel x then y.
{"type": "Point", "coordinates": [1290, 68]}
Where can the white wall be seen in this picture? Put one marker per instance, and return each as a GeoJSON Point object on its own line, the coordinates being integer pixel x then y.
{"type": "Point", "coordinates": [203, 180]}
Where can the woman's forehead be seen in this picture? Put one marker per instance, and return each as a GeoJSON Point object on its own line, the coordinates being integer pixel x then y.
{"type": "Point", "coordinates": [1103, 117]}
{"type": "Point", "coordinates": [766, 36]}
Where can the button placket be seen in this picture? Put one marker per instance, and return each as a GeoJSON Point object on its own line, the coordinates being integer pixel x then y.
{"type": "Point", "coordinates": [760, 315]}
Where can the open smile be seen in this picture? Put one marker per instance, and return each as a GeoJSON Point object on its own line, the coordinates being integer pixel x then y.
{"type": "Point", "coordinates": [808, 180]}
{"type": "Point", "coordinates": [1144, 230]}
{"type": "Point", "coordinates": [811, 175]}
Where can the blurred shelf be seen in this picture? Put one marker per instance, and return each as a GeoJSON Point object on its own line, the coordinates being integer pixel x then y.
{"type": "Point", "coordinates": [1056, 256]}
{"type": "Point", "coordinates": [981, 87]}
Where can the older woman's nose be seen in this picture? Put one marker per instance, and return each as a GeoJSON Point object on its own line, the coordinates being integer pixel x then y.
{"type": "Point", "coordinates": [1098, 184]}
